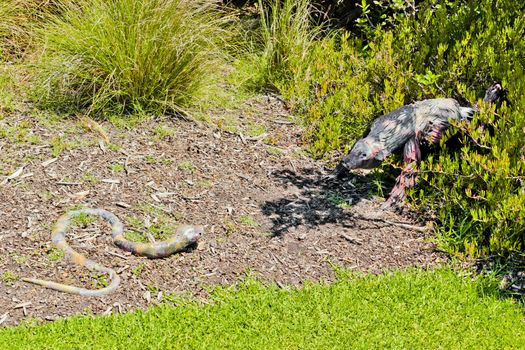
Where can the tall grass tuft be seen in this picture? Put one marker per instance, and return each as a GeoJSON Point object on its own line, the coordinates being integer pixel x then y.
{"type": "Point", "coordinates": [17, 19]}
{"type": "Point", "coordinates": [8, 27]}
{"type": "Point", "coordinates": [288, 35]}
{"type": "Point", "coordinates": [122, 56]}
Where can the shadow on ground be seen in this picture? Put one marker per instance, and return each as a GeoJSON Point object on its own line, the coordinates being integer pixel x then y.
{"type": "Point", "coordinates": [313, 201]}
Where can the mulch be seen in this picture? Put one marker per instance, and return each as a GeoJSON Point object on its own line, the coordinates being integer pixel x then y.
{"type": "Point", "coordinates": [265, 211]}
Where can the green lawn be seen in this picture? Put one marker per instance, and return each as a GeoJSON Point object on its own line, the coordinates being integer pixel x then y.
{"type": "Point", "coordinates": [409, 310]}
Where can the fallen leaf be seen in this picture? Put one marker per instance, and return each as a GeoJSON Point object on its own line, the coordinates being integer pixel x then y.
{"type": "Point", "coordinates": [49, 161]}
{"type": "Point", "coordinates": [91, 125]}
{"type": "Point", "coordinates": [14, 175]}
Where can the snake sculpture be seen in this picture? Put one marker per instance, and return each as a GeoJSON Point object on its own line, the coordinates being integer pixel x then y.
{"type": "Point", "coordinates": [185, 236]}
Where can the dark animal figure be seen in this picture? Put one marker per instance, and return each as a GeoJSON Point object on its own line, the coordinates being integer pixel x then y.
{"type": "Point", "coordinates": [406, 129]}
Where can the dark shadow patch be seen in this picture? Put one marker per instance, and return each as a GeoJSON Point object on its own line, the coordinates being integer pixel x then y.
{"type": "Point", "coordinates": [505, 276]}
{"type": "Point", "coordinates": [318, 201]}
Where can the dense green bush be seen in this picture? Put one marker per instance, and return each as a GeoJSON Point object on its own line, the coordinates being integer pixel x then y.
{"type": "Point", "coordinates": [456, 49]}
{"type": "Point", "coordinates": [478, 192]}
{"type": "Point", "coordinates": [128, 56]}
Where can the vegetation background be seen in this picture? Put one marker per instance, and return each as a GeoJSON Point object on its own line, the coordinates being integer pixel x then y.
{"type": "Point", "coordinates": [372, 57]}
{"type": "Point", "coordinates": [338, 65]}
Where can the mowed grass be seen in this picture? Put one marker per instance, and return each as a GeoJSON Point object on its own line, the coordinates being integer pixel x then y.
{"type": "Point", "coordinates": [413, 309]}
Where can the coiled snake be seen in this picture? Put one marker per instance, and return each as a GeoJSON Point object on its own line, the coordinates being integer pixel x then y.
{"type": "Point", "coordinates": [184, 237]}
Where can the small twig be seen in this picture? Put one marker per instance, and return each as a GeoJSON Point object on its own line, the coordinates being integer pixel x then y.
{"type": "Point", "coordinates": [150, 237]}
{"type": "Point", "coordinates": [165, 194]}
{"type": "Point", "coordinates": [277, 259]}
{"type": "Point", "coordinates": [119, 271]}
{"type": "Point", "coordinates": [126, 163]}
{"type": "Point", "coordinates": [118, 306]}
{"type": "Point", "coordinates": [243, 140]}
{"type": "Point", "coordinates": [257, 138]}
{"type": "Point", "coordinates": [407, 226]}
{"type": "Point", "coordinates": [111, 181]}
{"type": "Point", "coordinates": [122, 205]}
{"type": "Point", "coordinates": [398, 224]}
{"type": "Point", "coordinates": [351, 239]}
{"type": "Point", "coordinates": [293, 166]}
{"type": "Point", "coordinates": [280, 285]}
{"type": "Point", "coordinates": [65, 183]}
{"type": "Point", "coordinates": [49, 162]}
{"type": "Point", "coordinates": [245, 177]}
{"type": "Point", "coordinates": [280, 121]}
{"type": "Point", "coordinates": [84, 235]}
{"type": "Point", "coordinates": [14, 175]}
{"type": "Point", "coordinates": [22, 305]}
{"type": "Point", "coordinates": [89, 238]}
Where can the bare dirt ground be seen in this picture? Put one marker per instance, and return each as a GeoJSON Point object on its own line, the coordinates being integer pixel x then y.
{"type": "Point", "coordinates": [259, 197]}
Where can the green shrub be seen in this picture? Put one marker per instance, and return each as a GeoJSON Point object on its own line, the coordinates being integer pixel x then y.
{"type": "Point", "coordinates": [454, 49]}
{"type": "Point", "coordinates": [128, 56]}
{"type": "Point", "coordinates": [478, 192]}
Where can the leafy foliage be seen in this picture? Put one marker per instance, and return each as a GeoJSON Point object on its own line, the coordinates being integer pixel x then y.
{"type": "Point", "coordinates": [345, 87]}
{"type": "Point", "coordinates": [453, 49]}
{"type": "Point", "coordinates": [478, 192]}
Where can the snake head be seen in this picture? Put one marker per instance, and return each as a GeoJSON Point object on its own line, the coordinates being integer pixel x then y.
{"type": "Point", "coordinates": [191, 233]}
